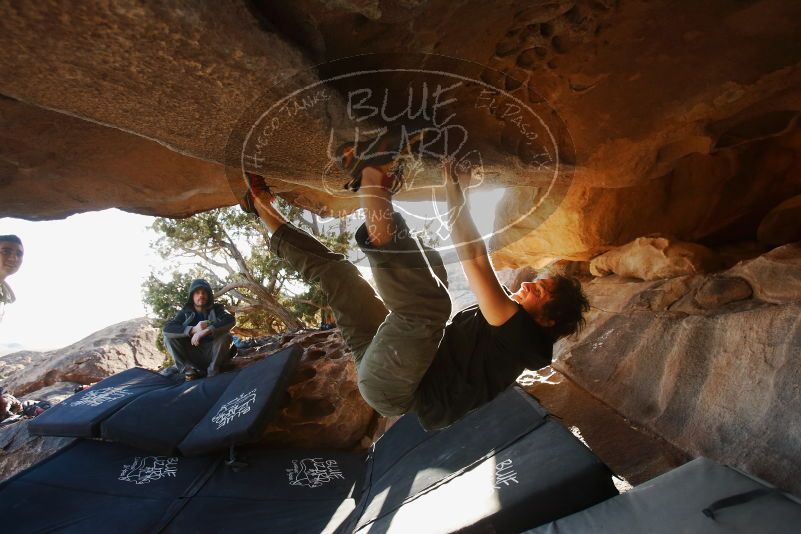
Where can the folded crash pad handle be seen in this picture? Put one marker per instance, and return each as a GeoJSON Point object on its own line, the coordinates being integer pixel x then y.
{"type": "Point", "coordinates": [734, 500]}
{"type": "Point", "coordinates": [233, 462]}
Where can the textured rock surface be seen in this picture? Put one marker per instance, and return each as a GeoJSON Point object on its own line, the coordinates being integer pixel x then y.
{"type": "Point", "coordinates": [654, 258]}
{"type": "Point", "coordinates": [324, 407]}
{"type": "Point", "coordinates": [179, 73]}
{"type": "Point", "coordinates": [783, 224]}
{"type": "Point", "coordinates": [53, 375]}
{"type": "Point", "coordinates": [19, 450]}
{"type": "Point", "coordinates": [710, 363]}
{"type": "Point", "coordinates": [108, 351]}
{"type": "Point", "coordinates": [712, 199]}
{"type": "Point", "coordinates": [774, 276]}
{"type": "Point", "coordinates": [54, 393]}
{"type": "Point", "coordinates": [53, 165]}
{"type": "Point", "coordinates": [630, 452]}
{"type": "Point", "coordinates": [669, 138]}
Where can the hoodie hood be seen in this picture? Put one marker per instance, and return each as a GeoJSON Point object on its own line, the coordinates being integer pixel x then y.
{"type": "Point", "coordinates": [200, 283]}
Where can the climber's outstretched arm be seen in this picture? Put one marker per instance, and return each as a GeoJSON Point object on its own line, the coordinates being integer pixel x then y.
{"type": "Point", "coordinates": [495, 305]}
{"type": "Point", "coordinates": [264, 202]}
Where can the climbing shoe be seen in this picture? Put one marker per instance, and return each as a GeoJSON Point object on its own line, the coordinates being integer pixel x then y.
{"type": "Point", "coordinates": [388, 154]}
{"type": "Point", "coordinates": [192, 374]}
{"type": "Point", "coordinates": [256, 186]}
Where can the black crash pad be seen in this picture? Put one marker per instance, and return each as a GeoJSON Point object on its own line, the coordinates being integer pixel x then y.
{"type": "Point", "coordinates": [159, 420]}
{"type": "Point", "coordinates": [278, 491]}
{"type": "Point", "coordinates": [151, 412]}
{"type": "Point", "coordinates": [93, 486]}
{"type": "Point", "coordinates": [504, 467]}
{"type": "Point", "coordinates": [81, 414]}
{"type": "Point", "coordinates": [252, 397]}
{"type": "Point", "coordinates": [675, 502]}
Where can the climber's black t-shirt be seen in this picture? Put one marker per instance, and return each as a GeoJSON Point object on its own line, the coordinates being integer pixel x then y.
{"type": "Point", "coordinates": [476, 361]}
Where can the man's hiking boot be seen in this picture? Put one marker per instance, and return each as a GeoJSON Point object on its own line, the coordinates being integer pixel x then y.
{"type": "Point", "coordinates": [192, 374]}
{"type": "Point", "coordinates": [256, 186]}
{"type": "Point", "coordinates": [386, 154]}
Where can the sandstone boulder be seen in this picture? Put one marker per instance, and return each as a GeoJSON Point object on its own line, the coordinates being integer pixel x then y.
{"type": "Point", "coordinates": [19, 450]}
{"type": "Point", "coordinates": [51, 164]}
{"type": "Point", "coordinates": [668, 138]}
{"type": "Point", "coordinates": [179, 73]}
{"type": "Point", "coordinates": [783, 224]}
{"type": "Point", "coordinates": [656, 296]}
{"type": "Point", "coordinates": [654, 258]}
{"type": "Point", "coordinates": [631, 452]}
{"type": "Point", "coordinates": [54, 393]}
{"type": "Point", "coordinates": [774, 276]}
{"type": "Point", "coordinates": [719, 291]}
{"type": "Point", "coordinates": [162, 77]}
{"type": "Point", "coordinates": [323, 407]}
{"type": "Point", "coordinates": [710, 363]}
{"type": "Point", "coordinates": [108, 351]}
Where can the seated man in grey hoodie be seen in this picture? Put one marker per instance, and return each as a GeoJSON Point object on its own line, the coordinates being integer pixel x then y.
{"type": "Point", "coordinates": [198, 338]}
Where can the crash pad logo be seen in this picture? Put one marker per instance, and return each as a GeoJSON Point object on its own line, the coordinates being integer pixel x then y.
{"type": "Point", "coordinates": [505, 474]}
{"type": "Point", "coordinates": [313, 472]}
{"type": "Point", "coordinates": [146, 469]}
{"type": "Point", "coordinates": [96, 397]}
{"type": "Point", "coordinates": [234, 408]}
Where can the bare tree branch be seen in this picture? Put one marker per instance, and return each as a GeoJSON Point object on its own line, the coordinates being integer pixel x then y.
{"type": "Point", "coordinates": [231, 286]}
{"type": "Point", "coordinates": [309, 302]}
{"type": "Point", "coordinates": [237, 256]}
{"type": "Point", "coordinates": [219, 264]}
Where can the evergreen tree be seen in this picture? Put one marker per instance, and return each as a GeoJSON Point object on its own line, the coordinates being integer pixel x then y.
{"type": "Point", "coordinates": [230, 249]}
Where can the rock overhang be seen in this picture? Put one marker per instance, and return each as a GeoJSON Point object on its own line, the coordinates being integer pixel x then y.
{"type": "Point", "coordinates": [682, 124]}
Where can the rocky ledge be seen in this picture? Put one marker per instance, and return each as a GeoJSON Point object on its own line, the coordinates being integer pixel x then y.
{"type": "Point", "coordinates": [709, 362]}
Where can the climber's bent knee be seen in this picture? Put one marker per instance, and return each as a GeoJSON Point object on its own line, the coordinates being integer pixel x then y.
{"type": "Point", "coordinates": [375, 393]}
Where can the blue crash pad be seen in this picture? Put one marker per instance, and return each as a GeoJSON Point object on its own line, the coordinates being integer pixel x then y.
{"type": "Point", "coordinates": [80, 415]}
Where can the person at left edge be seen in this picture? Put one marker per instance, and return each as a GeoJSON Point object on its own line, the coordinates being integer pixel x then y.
{"type": "Point", "coordinates": [11, 253]}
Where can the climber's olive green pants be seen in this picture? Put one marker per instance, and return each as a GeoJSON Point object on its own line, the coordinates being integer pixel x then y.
{"type": "Point", "coordinates": [393, 341]}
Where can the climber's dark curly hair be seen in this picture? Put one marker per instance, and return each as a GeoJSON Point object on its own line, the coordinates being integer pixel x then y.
{"type": "Point", "coordinates": [567, 306]}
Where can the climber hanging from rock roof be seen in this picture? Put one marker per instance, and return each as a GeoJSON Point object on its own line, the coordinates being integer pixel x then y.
{"type": "Point", "coordinates": [409, 356]}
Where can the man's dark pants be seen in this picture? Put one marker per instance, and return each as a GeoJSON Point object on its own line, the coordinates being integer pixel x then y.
{"type": "Point", "coordinates": [393, 341]}
{"type": "Point", "coordinates": [207, 358]}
